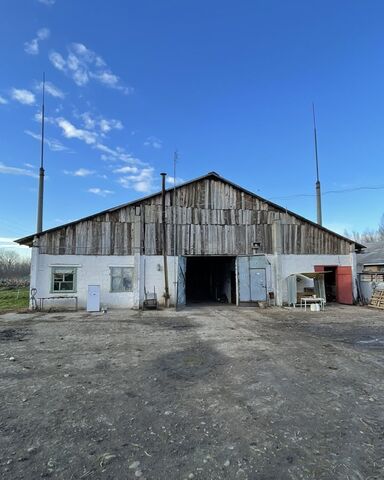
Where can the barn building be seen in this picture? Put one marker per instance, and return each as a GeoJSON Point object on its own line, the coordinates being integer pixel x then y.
{"type": "Point", "coordinates": [223, 243]}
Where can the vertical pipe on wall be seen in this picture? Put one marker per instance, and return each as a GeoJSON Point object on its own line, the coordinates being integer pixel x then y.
{"type": "Point", "coordinates": [164, 231]}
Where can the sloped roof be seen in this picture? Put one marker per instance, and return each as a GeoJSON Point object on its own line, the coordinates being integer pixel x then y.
{"type": "Point", "coordinates": [211, 175]}
{"type": "Point", "coordinates": [373, 254]}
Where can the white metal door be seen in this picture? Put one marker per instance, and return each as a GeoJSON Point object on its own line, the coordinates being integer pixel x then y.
{"type": "Point", "coordinates": [93, 299]}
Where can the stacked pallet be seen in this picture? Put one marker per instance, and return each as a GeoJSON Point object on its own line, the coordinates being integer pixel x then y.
{"type": "Point", "coordinates": [377, 299]}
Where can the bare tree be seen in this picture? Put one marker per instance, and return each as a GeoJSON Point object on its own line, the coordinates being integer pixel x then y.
{"type": "Point", "coordinates": [380, 230]}
{"type": "Point", "coordinates": [13, 265]}
{"type": "Point", "coordinates": [369, 235]}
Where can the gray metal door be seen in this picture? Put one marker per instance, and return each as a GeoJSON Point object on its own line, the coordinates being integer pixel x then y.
{"type": "Point", "coordinates": [251, 279]}
{"type": "Point", "coordinates": [181, 269]}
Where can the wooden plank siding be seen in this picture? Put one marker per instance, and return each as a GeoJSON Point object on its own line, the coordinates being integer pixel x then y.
{"type": "Point", "coordinates": [212, 218]}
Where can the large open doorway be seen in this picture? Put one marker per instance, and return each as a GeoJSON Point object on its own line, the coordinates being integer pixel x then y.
{"type": "Point", "coordinates": [338, 283]}
{"type": "Point", "coordinates": [210, 279]}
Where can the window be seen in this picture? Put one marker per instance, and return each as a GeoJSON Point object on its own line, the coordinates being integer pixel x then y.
{"type": "Point", "coordinates": [121, 279]}
{"type": "Point", "coordinates": [63, 279]}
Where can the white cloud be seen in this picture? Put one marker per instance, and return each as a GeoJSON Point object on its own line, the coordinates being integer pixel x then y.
{"type": "Point", "coordinates": [53, 144]}
{"type": "Point", "coordinates": [83, 64]}
{"type": "Point", "coordinates": [100, 191]}
{"type": "Point", "coordinates": [81, 172]}
{"type": "Point", "coordinates": [126, 169]}
{"type": "Point", "coordinates": [3, 100]}
{"type": "Point", "coordinates": [105, 125]}
{"type": "Point", "coordinates": [140, 182]}
{"type": "Point", "coordinates": [43, 33]}
{"type": "Point", "coordinates": [173, 180]}
{"type": "Point", "coordinates": [57, 61]}
{"type": "Point", "coordinates": [108, 125]}
{"type": "Point", "coordinates": [47, 2]}
{"type": "Point", "coordinates": [23, 96]}
{"type": "Point", "coordinates": [32, 47]}
{"type": "Point", "coordinates": [7, 170]}
{"type": "Point", "coordinates": [70, 131]}
{"type": "Point", "coordinates": [51, 89]}
{"type": "Point", "coordinates": [9, 242]}
{"type": "Point", "coordinates": [153, 142]}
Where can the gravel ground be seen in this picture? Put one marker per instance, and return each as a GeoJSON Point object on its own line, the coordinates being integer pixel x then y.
{"type": "Point", "coordinates": [206, 393]}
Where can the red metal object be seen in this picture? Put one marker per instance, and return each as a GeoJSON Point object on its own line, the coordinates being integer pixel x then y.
{"type": "Point", "coordinates": [343, 282]}
{"type": "Point", "coordinates": [344, 285]}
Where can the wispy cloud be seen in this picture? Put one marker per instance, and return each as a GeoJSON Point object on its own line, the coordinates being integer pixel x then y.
{"type": "Point", "coordinates": [142, 181]}
{"type": "Point", "coordinates": [70, 131]}
{"type": "Point", "coordinates": [53, 144]}
{"type": "Point", "coordinates": [126, 169]}
{"type": "Point", "coordinates": [25, 97]}
{"type": "Point", "coordinates": [173, 180]}
{"type": "Point", "coordinates": [32, 47]}
{"type": "Point", "coordinates": [3, 100]}
{"type": "Point", "coordinates": [153, 142]}
{"type": "Point", "coordinates": [7, 170]}
{"type": "Point", "coordinates": [81, 172]}
{"type": "Point", "coordinates": [49, 3]}
{"type": "Point", "coordinates": [83, 64]}
{"type": "Point", "coordinates": [99, 191]}
{"type": "Point", "coordinates": [51, 89]}
{"type": "Point", "coordinates": [104, 125]}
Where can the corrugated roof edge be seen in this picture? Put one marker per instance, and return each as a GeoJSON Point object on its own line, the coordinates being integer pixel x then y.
{"type": "Point", "coordinates": [28, 240]}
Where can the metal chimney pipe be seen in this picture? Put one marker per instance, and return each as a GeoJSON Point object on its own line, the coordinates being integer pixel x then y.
{"type": "Point", "coordinates": [40, 200]}
{"type": "Point", "coordinates": [164, 230]}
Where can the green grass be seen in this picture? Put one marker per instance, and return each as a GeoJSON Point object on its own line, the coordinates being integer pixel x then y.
{"type": "Point", "coordinates": [13, 299]}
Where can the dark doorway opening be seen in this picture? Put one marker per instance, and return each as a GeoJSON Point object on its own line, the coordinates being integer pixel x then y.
{"type": "Point", "coordinates": [330, 284]}
{"type": "Point", "coordinates": [210, 279]}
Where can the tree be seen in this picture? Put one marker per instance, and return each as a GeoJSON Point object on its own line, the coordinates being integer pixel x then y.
{"type": "Point", "coordinates": [13, 265]}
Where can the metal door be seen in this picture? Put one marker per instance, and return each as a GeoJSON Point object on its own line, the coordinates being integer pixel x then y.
{"type": "Point", "coordinates": [252, 280]}
{"type": "Point", "coordinates": [93, 299]}
{"type": "Point", "coordinates": [344, 292]}
{"type": "Point", "coordinates": [181, 272]}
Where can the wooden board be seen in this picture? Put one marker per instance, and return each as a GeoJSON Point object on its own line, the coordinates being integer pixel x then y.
{"type": "Point", "coordinates": [377, 299]}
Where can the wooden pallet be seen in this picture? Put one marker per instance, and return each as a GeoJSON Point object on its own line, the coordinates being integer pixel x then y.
{"type": "Point", "coordinates": [377, 299]}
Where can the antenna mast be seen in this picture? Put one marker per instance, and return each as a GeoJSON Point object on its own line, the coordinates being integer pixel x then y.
{"type": "Point", "coordinates": [318, 187]}
{"type": "Point", "coordinates": [39, 228]}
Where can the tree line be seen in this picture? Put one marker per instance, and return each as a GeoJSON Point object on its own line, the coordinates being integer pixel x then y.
{"type": "Point", "coordinates": [13, 266]}
{"type": "Point", "coordinates": [368, 235]}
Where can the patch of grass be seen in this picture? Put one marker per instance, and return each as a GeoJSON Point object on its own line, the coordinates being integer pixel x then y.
{"type": "Point", "coordinates": [13, 299]}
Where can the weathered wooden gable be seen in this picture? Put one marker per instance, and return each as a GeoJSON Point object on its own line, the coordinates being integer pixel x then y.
{"type": "Point", "coordinates": [212, 217]}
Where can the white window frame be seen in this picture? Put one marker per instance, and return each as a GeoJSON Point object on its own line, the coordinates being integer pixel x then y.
{"type": "Point", "coordinates": [62, 268]}
{"type": "Point", "coordinates": [121, 267]}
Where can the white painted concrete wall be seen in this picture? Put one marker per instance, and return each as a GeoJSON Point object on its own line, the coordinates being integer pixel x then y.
{"type": "Point", "coordinates": [149, 273]}
{"type": "Point", "coordinates": [285, 265]}
{"type": "Point", "coordinates": [95, 270]}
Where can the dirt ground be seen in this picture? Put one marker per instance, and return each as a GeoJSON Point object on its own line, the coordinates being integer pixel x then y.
{"type": "Point", "coordinates": [207, 393]}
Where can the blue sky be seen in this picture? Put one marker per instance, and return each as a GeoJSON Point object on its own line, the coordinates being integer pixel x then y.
{"type": "Point", "coordinates": [229, 84]}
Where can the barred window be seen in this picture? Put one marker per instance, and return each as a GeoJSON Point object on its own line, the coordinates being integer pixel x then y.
{"type": "Point", "coordinates": [121, 279]}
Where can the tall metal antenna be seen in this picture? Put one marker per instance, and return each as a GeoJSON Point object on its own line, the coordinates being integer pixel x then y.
{"type": "Point", "coordinates": [175, 158]}
{"type": "Point", "coordinates": [318, 187]}
{"type": "Point", "coordinates": [39, 228]}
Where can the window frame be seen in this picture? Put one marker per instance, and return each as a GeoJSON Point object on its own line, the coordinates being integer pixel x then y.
{"type": "Point", "coordinates": [57, 270]}
{"type": "Point", "coordinates": [121, 267]}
